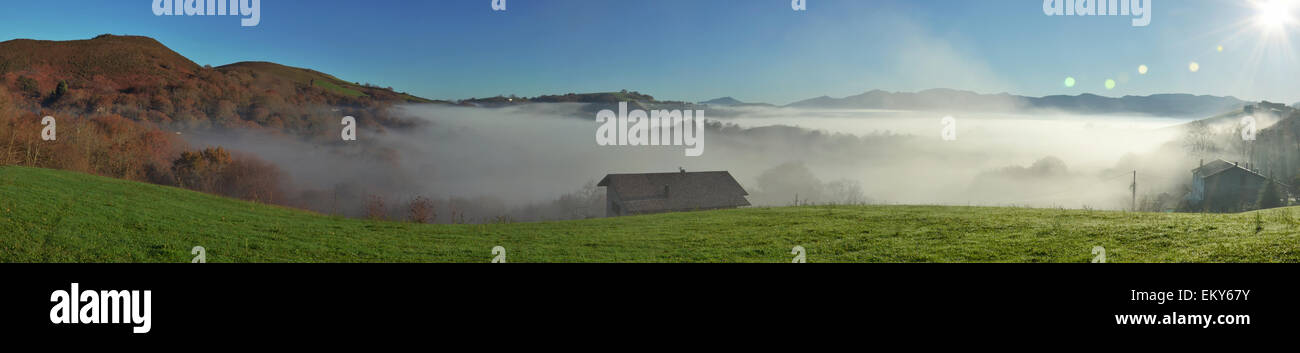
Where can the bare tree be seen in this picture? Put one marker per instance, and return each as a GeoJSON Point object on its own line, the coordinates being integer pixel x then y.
{"type": "Point", "coordinates": [1199, 140]}
{"type": "Point", "coordinates": [375, 208]}
{"type": "Point", "coordinates": [422, 210]}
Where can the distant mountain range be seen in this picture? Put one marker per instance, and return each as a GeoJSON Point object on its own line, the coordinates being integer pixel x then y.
{"type": "Point", "coordinates": [732, 102]}
{"type": "Point", "coordinates": [723, 101]}
{"type": "Point", "coordinates": [1174, 105]}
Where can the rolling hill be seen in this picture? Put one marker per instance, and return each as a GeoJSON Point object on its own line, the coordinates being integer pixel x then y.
{"type": "Point", "coordinates": [143, 80]}
{"type": "Point", "coordinates": [108, 55]}
{"type": "Point", "coordinates": [313, 78]}
{"type": "Point", "coordinates": [594, 101]}
{"type": "Point", "coordinates": [122, 61]}
{"type": "Point", "coordinates": [57, 216]}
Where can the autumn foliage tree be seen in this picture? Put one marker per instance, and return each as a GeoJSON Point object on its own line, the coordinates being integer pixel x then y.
{"type": "Point", "coordinates": [199, 170]}
{"type": "Point", "coordinates": [252, 179]}
{"type": "Point", "coordinates": [214, 170]}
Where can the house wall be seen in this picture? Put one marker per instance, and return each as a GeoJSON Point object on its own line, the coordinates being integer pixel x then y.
{"type": "Point", "coordinates": [1230, 190]}
{"type": "Point", "coordinates": [612, 200]}
{"type": "Point", "coordinates": [1198, 188]}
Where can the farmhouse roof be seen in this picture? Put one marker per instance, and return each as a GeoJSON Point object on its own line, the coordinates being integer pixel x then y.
{"type": "Point", "coordinates": [676, 191]}
{"type": "Point", "coordinates": [1215, 167]}
{"type": "Point", "coordinates": [1219, 166]}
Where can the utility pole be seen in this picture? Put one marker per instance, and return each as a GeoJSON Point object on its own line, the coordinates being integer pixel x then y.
{"type": "Point", "coordinates": [1134, 189]}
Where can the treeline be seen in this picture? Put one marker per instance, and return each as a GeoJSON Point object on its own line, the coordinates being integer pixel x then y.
{"type": "Point", "coordinates": [110, 145]}
{"type": "Point", "coordinates": [107, 145]}
{"type": "Point", "coordinates": [213, 99]}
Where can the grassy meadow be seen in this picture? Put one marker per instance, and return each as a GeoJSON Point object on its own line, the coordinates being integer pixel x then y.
{"type": "Point", "coordinates": [56, 216]}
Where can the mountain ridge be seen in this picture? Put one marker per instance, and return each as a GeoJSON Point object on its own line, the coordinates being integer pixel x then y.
{"type": "Point", "coordinates": [119, 62]}
{"type": "Point", "coordinates": [1165, 104]}
{"type": "Point", "coordinates": [732, 102]}
{"type": "Point", "coordinates": [142, 80]}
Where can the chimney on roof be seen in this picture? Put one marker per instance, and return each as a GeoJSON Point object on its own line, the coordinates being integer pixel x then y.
{"type": "Point", "coordinates": [682, 170]}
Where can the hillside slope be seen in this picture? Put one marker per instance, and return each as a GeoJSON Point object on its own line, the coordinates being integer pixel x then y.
{"type": "Point", "coordinates": [143, 80]}
{"type": "Point", "coordinates": [124, 60]}
{"type": "Point", "coordinates": [313, 78]}
{"type": "Point", "coordinates": [104, 55]}
{"type": "Point", "coordinates": [56, 216]}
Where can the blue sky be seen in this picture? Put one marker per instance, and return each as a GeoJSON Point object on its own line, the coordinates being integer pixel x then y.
{"type": "Point", "coordinates": [754, 50]}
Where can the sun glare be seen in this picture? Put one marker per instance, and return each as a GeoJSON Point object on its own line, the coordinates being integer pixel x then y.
{"type": "Point", "coordinates": [1274, 14]}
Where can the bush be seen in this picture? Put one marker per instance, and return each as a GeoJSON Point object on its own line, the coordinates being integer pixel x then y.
{"type": "Point", "coordinates": [61, 90]}
{"type": "Point", "coordinates": [1270, 196]}
{"type": "Point", "coordinates": [1295, 185]}
{"type": "Point", "coordinates": [29, 87]}
{"type": "Point", "coordinates": [252, 179]}
{"type": "Point", "coordinates": [421, 210]}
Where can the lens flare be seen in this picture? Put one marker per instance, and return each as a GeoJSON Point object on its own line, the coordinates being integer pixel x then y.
{"type": "Point", "coordinates": [1194, 67]}
{"type": "Point", "coordinates": [1142, 69]}
{"type": "Point", "coordinates": [1069, 82]}
{"type": "Point", "coordinates": [1110, 84]}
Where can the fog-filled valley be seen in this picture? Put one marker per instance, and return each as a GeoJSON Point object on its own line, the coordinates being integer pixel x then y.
{"type": "Point", "coordinates": [540, 161]}
{"type": "Point", "coordinates": [270, 133]}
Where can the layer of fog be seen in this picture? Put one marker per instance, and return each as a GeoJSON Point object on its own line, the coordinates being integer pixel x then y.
{"type": "Point", "coordinates": [518, 161]}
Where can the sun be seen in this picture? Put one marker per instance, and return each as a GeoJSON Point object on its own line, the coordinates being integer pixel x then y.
{"type": "Point", "coordinates": [1273, 14]}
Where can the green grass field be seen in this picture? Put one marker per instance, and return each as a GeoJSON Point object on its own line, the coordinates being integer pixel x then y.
{"type": "Point", "coordinates": [56, 216]}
